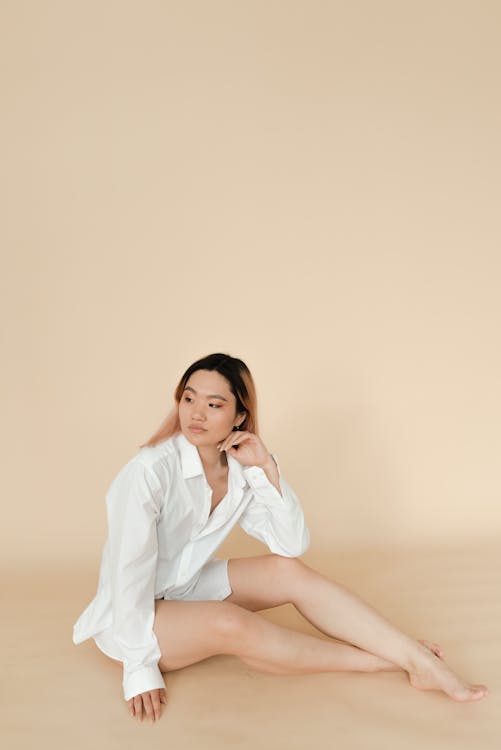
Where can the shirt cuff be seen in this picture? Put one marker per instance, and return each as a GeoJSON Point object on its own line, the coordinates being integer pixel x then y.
{"type": "Point", "coordinates": [258, 480]}
{"type": "Point", "coordinates": [142, 680]}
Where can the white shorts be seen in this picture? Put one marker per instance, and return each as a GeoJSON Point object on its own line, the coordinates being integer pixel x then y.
{"type": "Point", "coordinates": [213, 584]}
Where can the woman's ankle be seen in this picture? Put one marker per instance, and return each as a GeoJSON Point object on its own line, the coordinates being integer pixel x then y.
{"type": "Point", "coordinates": [418, 657]}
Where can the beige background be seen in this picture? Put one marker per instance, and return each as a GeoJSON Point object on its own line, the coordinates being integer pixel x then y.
{"type": "Point", "coordinates": [310, 186]}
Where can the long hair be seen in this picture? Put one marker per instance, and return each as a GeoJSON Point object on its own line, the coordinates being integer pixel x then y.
{"type": "Point", "coordinates": [241, 384]}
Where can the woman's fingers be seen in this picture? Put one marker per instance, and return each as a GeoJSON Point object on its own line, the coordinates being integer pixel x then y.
{"type": "Point", "coordinates": [148, 706]}
{"type": "Point", "coordinates": [150, 703]}
{"type": "Point", "coordinates": [157, 702]}
{"type": "Point", "coordinates": [232, 439]}
{"type": "Point", "coordinates": [247, 446]}
{"type": "Point", "coordinates": [137, 706]}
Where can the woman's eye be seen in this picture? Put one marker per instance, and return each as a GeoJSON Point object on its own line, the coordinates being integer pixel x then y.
{"type": "Point", "coordinates": [217, 406]}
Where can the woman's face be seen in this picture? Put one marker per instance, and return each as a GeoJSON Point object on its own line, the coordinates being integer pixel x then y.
{"type": "Point", "coordinates": [207, 403]}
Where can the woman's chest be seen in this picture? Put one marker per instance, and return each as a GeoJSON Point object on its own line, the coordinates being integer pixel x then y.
{"type": "Point", "coordinates": [219, 486]}
{"type": "Point", "coordinates": [190, 502]}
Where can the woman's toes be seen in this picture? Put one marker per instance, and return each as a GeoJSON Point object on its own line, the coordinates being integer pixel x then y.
{"type": "Point", "coordinates": [472, 693]}
{"type": "Point", "coordinates": [479, 691]}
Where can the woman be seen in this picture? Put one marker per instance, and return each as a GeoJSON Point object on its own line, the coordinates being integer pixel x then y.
{"type": "Point", "coordinates": [164, 601]}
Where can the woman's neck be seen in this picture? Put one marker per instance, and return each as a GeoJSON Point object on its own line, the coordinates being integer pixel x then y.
{"type": "Point", "coordinates": [213, 459]}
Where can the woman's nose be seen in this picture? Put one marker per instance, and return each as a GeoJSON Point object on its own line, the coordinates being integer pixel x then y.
{"type": "Point", "coordinates": [198, 414]}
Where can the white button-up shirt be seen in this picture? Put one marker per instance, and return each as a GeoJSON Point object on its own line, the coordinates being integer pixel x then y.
{"type": "Point", "coordinates": [160, 534]}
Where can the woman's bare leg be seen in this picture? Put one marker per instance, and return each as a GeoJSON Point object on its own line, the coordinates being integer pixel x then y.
{"type": "Point", "coordinates": [267, 580]}
{"type": "Point", "coordinates": [188, 632]}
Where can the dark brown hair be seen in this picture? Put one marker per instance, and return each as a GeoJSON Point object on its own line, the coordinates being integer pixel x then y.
{"type": "Point", "coordinates": [240, 382]}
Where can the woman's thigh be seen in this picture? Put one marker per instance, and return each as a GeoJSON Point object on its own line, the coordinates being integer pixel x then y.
{"type": "Point", "coordinates": [190, 631]}
{"type": "Point", "coordinates": [265, 581]}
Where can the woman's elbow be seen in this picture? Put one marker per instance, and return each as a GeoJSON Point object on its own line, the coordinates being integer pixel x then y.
{"type": "Point", "coordinates": [299, 546]}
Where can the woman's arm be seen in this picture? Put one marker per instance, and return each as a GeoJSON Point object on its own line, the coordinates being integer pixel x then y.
{"type": "Point", "coordinates": [275, 518]}
{"type": "Point", "coordinates": [133, 506]}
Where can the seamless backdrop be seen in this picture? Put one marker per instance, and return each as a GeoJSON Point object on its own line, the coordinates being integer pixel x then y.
{"type": "Point", "coordinates": [313, 187]}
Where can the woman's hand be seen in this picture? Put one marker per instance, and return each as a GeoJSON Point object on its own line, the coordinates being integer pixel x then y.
{"type": "Point", "coordinates": [250, 450]}
{"type": "Point", "coordinates": [151, 701]}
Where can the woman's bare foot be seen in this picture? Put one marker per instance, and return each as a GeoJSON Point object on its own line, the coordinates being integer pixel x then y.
{"type": "Point", "coordinates": [430, 673]}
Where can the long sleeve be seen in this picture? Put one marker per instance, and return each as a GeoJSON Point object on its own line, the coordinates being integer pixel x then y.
{"type": "Point", "coordinates": [276, 520]}
{"type": "Point", "coordinates": [133, 505]}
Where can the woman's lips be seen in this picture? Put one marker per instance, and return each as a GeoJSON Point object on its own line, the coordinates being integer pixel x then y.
{"type": "Point", "coordinates": [196, 429]}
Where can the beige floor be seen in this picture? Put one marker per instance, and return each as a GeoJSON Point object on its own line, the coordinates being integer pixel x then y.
{"type": "Point", "coordinates": [59, 695]}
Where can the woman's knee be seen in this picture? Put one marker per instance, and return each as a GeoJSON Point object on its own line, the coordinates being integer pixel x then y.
{"type": "Point", "coordinates": [287, 564]}
{"type": "Point", "coordinates": [288, 575]}
{"type": "Point", "coordinates": [188, 632]}
{"type": "Point", "coordinates": [286, 569]}
{"type": "Point", "coordinates": [230, 624]}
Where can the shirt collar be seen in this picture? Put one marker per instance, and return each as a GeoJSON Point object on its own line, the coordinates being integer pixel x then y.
{"type": "Point", "coordinates": [192, 466]}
